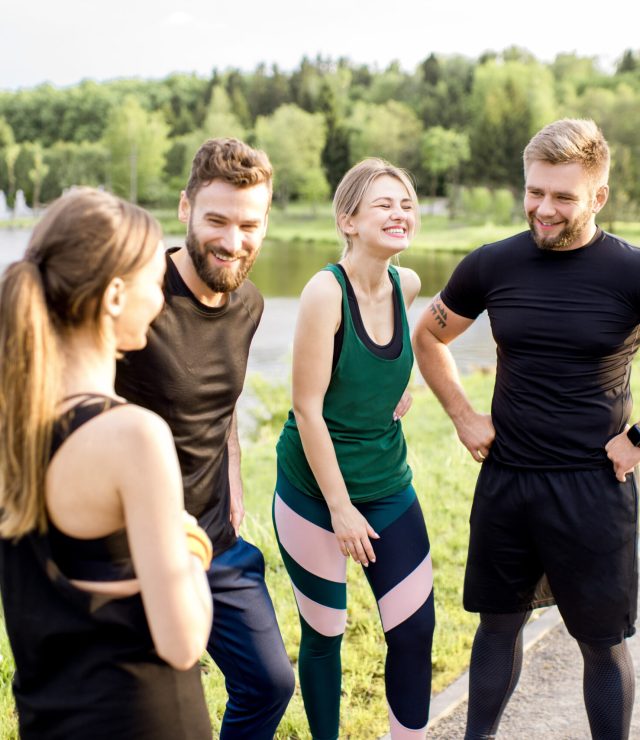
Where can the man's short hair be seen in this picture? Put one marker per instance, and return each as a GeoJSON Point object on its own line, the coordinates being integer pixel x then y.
{"type": "Point", "coordinates": [571, 141]}
{"type": "Point", "coordinates": [229, 160]}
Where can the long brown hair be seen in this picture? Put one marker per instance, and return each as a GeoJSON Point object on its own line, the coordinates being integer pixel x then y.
{"type": "Point", "coordinates": [84, 240]}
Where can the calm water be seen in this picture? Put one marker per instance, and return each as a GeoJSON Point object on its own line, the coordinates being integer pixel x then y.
{"type": "Point", "coordinates": [281, 272]}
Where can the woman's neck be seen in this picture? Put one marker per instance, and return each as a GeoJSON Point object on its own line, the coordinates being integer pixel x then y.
{"type": "Point", "coordinates": [88, 366]}
{"type": "Point", "coordinates": [367, 273]}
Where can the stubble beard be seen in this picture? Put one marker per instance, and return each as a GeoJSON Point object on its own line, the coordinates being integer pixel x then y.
{"type": "Point", "coordinates": [565, 238]}
{"type": "Point", "coordinates": [217, 279]}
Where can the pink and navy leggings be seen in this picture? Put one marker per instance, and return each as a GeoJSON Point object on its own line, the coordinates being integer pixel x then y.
{"type": "Point", "coordinates": [402, 582]}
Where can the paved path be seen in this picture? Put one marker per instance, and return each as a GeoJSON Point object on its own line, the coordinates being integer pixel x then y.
{"type": "Point", "coordinates": [548, 700]}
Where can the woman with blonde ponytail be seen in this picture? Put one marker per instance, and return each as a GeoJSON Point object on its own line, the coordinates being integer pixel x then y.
{"type": "Point", "coordinates": [101, 571]}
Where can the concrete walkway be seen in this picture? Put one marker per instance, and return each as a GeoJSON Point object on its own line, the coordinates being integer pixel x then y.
{"type": "Point", "coordinates": [547, 702]}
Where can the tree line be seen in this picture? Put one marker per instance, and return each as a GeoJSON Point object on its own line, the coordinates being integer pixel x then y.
{"type": "Point", "coordinates": [451, 121]}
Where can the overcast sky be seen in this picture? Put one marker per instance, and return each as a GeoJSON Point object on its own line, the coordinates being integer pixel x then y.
{"type": "Point", "coordinates": [64, 41]}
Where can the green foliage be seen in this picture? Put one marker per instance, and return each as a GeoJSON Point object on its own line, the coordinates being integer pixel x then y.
{"type": "Point", "coordinates": [137, 142]}
{"type": "Point", "coordinates": [496, 102]}
{"type": "Point", "coordinates": [504, 206]}
{"type": "Point", "coordinates": [389, 131]}
{"type": "Point", "coordinates": [476, 203]}
{"type": "Point", "coordinates": [510, 101]}
{"type": "Point", "coordinates": [37, 173]}
{"type": "Point", "coordinates": [335, 154]}
{"type": "Point", "coordinates": [8, 717]}
{"type": "Point", "coordinates": [443, 153]}
{"type": "Point", "coordinates": [74, 164]}
{"type": "Point", "coordinates": [220, 119]}
{"type": "Point", "coordinates": [482, 205]}
{"type": "Point", "coordinates": [6, 134]}
{"type": "Point", "coordinates": [294, 140]}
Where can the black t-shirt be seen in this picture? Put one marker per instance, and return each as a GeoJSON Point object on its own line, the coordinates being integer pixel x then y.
{"type": "Point", "coordinates": [191, 373]}
{"type": "Point", "coordinates": [566, 328]}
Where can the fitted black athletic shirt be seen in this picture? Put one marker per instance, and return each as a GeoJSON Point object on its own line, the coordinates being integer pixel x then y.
{"type": "Point", "coordinates": [566, 328]}
{"type": "Point", "coordinates": [389, 351]}
{"type": "Point", "coordinates": [191, 373]}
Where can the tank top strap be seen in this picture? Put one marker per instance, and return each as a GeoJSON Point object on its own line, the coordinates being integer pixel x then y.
{"type": "Point", "coordinates": [395, 277]}
{"type": "Point", "coordinates": [88, 407]}
{"type": "Point", "coordinates": [339, 276]}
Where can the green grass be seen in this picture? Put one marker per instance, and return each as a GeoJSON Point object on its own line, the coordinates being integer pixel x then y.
{"type": "Point", "coordinates": [444, 478]}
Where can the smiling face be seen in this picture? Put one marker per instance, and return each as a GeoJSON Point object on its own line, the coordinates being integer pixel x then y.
{"type": "Point", "coordinates": [385, 219]}
{"type": "Point", "coordinates": [561, 203]}
{"type": "Point", "coordinates": [225, 229]}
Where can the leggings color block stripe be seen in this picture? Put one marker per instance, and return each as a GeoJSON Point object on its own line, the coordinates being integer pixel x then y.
{"type": "Point", "coordinates": [402, 583]}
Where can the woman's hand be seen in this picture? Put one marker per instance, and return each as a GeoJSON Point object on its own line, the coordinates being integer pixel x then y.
{"type": "Point", "coordinates": [404, 404]}
{"type": "Point", "coordinates": [353, 531]}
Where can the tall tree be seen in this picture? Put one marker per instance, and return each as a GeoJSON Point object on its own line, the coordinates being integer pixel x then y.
{"type": "Point", "coordinates": [37, 173]}
{"type": "Point", "coordinates": [335, 155]}
{"type": "Point", "coordinates": [294, 140]}
{"type": "Point", "coordinates": [443, 153]}
{"type": "Point", "coordinates": [510, 102]}
{"type": "Point", "coordinates": [137, 141]}
{"type": "Point", "coordinates": [391, 131]}
{"type": "Point", "coordinates": [220, 119]}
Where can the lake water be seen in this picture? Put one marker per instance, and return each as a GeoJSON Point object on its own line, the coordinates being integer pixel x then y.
{"type": "Point", "coordinates": [281, 272]}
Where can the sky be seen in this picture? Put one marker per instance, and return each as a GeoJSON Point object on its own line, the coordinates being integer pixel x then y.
{"type": "Point", "coordinates": [65, 41]}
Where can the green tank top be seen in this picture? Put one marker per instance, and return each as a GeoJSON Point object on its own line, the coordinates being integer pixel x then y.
{"type": "Point", "coordinates": [358, 409]}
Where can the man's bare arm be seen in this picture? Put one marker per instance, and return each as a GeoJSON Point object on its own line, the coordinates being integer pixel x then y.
{"type": "Point", "coordinates": [438, 326]}
{"type": "Point", "coordinates": [235, 478]}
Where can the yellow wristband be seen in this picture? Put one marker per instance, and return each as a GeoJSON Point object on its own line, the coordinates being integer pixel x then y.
{"type": "Point", "coordinates": [198, 543]}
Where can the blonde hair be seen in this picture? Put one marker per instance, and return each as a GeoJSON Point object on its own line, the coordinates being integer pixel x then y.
{"type": "Point", "coordinates": [355, 183]}
{"type": "Point", "coordinates": [84, 240]}
{"type": "Point", "coordinates": [571, 141]}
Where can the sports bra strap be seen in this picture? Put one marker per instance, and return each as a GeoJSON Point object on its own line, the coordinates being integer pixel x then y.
{"type": "Point", "coordinates": [90, 406]}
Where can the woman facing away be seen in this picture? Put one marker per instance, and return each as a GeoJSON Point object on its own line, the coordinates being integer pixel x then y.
{"type": "Point", "coordinates": [105, 599]}
{"type": "Point", "coordinates": [344, 485]}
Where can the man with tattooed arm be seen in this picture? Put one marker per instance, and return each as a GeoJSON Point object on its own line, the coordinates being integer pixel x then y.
{"type": "Point", "coordinates": [554, 517]}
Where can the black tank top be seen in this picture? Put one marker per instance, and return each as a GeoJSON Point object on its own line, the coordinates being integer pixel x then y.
{"type": "Point", "coordinates": [388, 351]}
{"type": "Point", "coordinates": [102, 558]}
{"type": "Point", "coordinates": [86, 666]}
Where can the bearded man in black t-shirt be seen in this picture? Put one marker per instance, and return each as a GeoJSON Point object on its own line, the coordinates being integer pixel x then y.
{"type": "Point", "coordinates": [554, 516]}
{"type": "Point", "coordinates": [191, 373]}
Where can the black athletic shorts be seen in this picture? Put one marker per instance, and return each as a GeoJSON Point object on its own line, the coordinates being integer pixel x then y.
{"type": "Point", "coordinates": [572, 531]}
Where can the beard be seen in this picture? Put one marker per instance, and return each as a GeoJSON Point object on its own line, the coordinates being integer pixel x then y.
{"type": "Point", "coordinates": [566, 237]}
{"type": "Point", "coordinates": [218, 279]}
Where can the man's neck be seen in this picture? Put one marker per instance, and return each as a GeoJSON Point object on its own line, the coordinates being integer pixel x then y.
{"type": "Point", "coordinates": [200, 290]}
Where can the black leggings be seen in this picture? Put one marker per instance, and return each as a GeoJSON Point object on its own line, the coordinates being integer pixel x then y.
{"type": "Point", "coordinates": [496, 661]}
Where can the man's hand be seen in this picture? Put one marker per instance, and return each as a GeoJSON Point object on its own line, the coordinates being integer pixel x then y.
{"type": "Point", "coordinates": [476, 432]}
{"type": "Point", "coordinates": [236, 513]}
{"type": "Point", "coordinates": [622, 454]}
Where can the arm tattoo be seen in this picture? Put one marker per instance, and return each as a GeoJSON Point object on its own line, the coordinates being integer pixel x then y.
{"type": "Point", "coordinates": [440, 313]}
